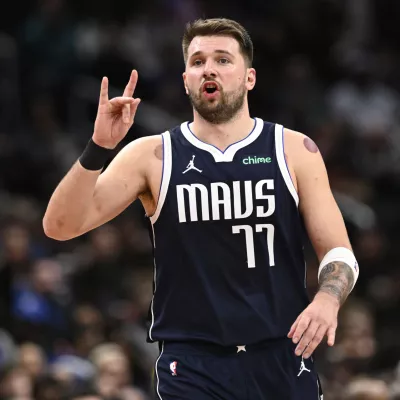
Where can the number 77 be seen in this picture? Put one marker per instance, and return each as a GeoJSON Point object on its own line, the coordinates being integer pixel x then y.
{"type": "Point", "coordinates": [249, 236]}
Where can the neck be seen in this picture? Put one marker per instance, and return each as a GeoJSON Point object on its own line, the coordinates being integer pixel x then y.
{"type": "Point", "coordinates": [223, 135]}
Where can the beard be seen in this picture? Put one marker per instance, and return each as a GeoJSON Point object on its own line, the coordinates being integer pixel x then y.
{"type": "Point", "coordinates": [219, 111]}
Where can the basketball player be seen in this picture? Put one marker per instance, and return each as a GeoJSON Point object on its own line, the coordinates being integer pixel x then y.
{"type": "Point", "coordinates": [224, 194]}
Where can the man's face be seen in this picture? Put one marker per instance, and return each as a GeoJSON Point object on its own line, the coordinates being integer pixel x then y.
{"type": "Point", "coordinates": [217, 78]}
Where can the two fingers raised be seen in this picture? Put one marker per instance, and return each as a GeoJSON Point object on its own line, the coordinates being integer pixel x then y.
{"type": "Point", "coordinates": [126, 103]}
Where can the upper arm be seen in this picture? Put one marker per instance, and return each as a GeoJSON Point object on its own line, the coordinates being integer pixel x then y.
{"type": "Point", "coordinates": [321, 214]}
{"type": "Point", "coordinates": [123, 181]}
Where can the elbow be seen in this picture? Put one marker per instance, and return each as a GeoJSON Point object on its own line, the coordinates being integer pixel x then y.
{"type": "Point", "coordinates": [53, 230]}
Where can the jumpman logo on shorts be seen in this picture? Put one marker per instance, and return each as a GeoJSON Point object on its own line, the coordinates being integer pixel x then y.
{"type": "Point", "coordinates": [191, 166]}
{"type": "Point", "coordinates": [303, 367]}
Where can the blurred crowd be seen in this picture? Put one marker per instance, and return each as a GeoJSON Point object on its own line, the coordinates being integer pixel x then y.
{"type": "Point", "coordinates": [73, 315]}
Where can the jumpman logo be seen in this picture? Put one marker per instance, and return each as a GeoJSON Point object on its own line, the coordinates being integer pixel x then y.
{"type": "Point", "coordinates": [303, 367]}
{"type": "Point", "coordinates": [191, 166]}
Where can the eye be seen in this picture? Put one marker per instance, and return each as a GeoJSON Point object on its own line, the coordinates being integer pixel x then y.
{"type": "Point", "coordinates": [223, 61]}
{"type": "Point", "coordinates": [197, 62]}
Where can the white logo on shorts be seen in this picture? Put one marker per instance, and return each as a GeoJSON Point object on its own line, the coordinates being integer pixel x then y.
{"type": "Point", "coordinates": [303, 367]}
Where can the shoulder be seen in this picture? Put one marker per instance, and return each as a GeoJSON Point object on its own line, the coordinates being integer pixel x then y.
{"type": "Point", "coordinates": [143, 143]}
{"type": "Point", "coordinates": [299, 146]}
{"type": "Point", "coordinates": [302, 156]}
{"type": "Point", "coordinates": [138, 156]}
{"type": "Point", "coordinates": [142, 148]}
{"type": "Point", "coordinates": [297, 139]}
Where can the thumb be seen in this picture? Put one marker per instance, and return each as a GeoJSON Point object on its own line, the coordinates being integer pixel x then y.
{"type": "Point", "coordinates": [134, 107]}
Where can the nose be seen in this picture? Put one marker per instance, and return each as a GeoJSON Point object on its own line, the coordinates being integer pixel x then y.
{"type": "Point", "coordinates": [209, 70]}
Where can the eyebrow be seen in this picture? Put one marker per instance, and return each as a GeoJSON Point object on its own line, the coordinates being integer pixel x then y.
{"type": "Point", "coordinates": [196, 53]}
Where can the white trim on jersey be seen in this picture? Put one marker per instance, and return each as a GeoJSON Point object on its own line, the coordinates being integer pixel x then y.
{"type": "Point", "coordinates": [166, 175]}
{"type": "Point", "coordinates": [165, 178]}
{"type": "Point", "coordinates": [155, 287]}
{"type": "Point", "coordinates": [230, 151]}
{"type": "Point", "coordinates": [156, 369]}
{"type": "Point", "coordinates": [280, 155]}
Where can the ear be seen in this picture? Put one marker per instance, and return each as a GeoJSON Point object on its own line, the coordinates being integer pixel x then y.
{"type": "Point", "coordinates": [184, 83]}
{"type": "Point", "coordinates": [251, 78]}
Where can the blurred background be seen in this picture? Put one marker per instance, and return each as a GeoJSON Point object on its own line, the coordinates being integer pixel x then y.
{"type": "Point", "coordinates": [73, 314]}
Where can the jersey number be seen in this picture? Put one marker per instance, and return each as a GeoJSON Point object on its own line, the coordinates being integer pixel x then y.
{"type": "Point", "coordinates": [249, 236]}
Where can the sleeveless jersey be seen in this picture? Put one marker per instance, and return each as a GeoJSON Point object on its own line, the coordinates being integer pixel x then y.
{"type": "Point", "coordinates": [227, 237]}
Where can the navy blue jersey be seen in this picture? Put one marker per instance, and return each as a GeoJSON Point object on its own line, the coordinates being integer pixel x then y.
{"type": "Point", "coordinates": [229, 265]}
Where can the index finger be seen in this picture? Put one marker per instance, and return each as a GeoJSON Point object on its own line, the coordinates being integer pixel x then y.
{"type": "Point", "coordinates": [130, 87]}
{"type": "Point", "coordinates": [104, 91]}
{"type": "Point", "coordinates": [302, 325]}
{"type": "Point", "coordinates": [293, 327]}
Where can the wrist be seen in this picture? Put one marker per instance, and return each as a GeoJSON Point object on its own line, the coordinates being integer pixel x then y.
{"type": "Point", "coordinates": [102, 145]}
{"type": "Point", "coordinates": [94, 156]}
{"type": "Point", "coordinates": [322, 295]}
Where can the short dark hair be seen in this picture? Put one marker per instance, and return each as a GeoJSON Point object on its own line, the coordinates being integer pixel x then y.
{"type": "Point", "coordinates": [218, 27]}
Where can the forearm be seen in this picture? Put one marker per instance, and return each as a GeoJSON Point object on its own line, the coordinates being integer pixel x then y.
{"type": "Point", "coordinates": [337, 280]}
{"type": "Point", "coordinates": [70, 203]}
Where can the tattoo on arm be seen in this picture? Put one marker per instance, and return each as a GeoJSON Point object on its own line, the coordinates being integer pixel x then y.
{"type": "Point", "coordinates": [337, 279]}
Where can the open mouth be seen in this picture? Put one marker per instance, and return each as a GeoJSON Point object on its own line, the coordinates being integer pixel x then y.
{"type": "Point", "coordinates": [210, 87]}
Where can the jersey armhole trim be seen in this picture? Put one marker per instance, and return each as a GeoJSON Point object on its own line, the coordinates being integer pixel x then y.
{"type": "Point", "coordinates": [280, 155]}
{"type": "Point", "coordinates": [166, 174]}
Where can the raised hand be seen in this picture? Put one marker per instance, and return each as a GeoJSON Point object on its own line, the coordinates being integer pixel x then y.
{"type": "Point", "coordinates": [115, 117]}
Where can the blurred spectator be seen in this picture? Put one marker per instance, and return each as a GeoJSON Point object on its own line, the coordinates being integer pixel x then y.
{"type": "Point", "coordinates": [32, 359]}
{"type": "Point", "coordinates": [356, 340]}
{"type": "Point", "coordinates": [17, 384]}
{"type": "Point", "coordinates": [365, 103]}
{"type": "Point", "coordinates": [48, 388]}
{"type": "Point", "coordinates": [8, 350]}
{"type": "Point", "coordinates": [16, 248]}
{"type": "Point", "coordinates": [98, 280]}
{"type": "Point", "coordinates": [38, 309]}
{"type": "Point", "coordinates": [367, 389]}
{"type": "Point", "coordinates": [112, 380]}
{"type": "Point", "coordinates": [371, 109]}
{"type": "Point", "coordinates": [71, 372]}
{"type": "Point", "coordinates": [88, 329]}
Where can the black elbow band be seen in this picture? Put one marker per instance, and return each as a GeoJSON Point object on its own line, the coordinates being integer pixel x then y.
{"type": "Point", "coordinates": [94, 156]}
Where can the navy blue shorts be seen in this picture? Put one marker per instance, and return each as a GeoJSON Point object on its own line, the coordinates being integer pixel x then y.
{"type": "Point", "coordinates": [267, 371]}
